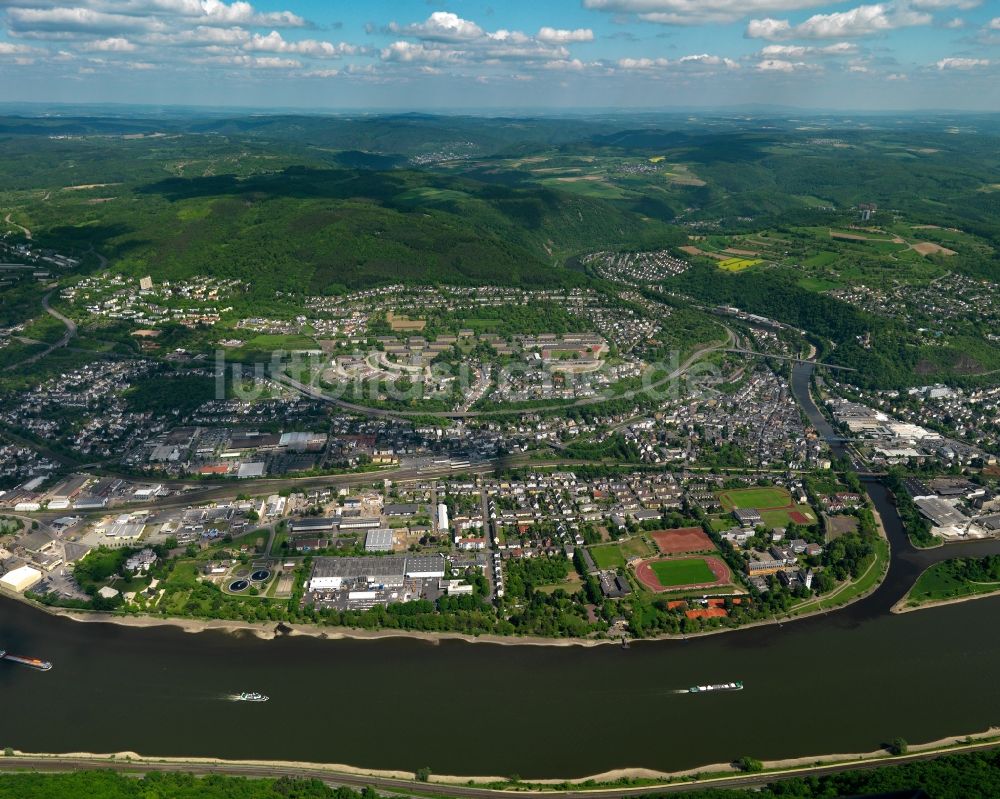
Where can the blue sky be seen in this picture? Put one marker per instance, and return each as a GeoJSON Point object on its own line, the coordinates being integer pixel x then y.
{"type": "Point", "coordinates": [471, 54]}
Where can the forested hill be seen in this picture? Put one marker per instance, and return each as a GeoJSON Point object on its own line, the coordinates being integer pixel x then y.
{"type": "Point", "coordinates": [320, 229]}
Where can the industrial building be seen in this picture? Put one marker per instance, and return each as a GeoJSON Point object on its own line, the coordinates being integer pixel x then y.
{"type": "Point", "coordinates": [942, 513]}
{"type": "Point", "coordinates": [380, 540]}
{"type": "Point", "coordinates": [402, 509]}
{"type": "Point", "coordinates": [21, 579]}
{"type": "Point", "coordinates": [359, 523]}
{"type": "Point", "coordinates": [312, 525]}
{"type": "Point", "coordinates": [334, 574]}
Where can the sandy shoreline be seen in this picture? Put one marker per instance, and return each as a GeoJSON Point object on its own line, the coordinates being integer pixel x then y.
{"type": "Point", "coordinates": [902, 607]}
{"type": "Point", "coordinates": [611, 779]}
{"type": "Point", "coordinates": [272, 630]}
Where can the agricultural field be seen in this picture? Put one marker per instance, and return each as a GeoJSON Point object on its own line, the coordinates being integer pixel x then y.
{"type": "Point", "coordinates": [738, 264]}
{"type": "Point", "coordinates": [608, 176]}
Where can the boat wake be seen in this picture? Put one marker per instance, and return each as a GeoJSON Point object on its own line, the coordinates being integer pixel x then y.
{"type": "Point", "coordinates": [248, 696]}
{"type": "Point", "coordinates": [707, 689]}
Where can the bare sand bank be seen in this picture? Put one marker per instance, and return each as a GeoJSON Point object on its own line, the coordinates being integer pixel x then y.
{"type": "Point", "coordinates": [611, 779]}
{"type": "Point", "coordinates": [902, 607]}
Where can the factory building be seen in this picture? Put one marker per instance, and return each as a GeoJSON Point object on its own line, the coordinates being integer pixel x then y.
{"type": "Point", "coordinates": [333, 574]}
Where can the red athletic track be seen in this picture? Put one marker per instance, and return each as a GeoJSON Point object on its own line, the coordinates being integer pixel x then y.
{"type": "Point", "coordinates": [647, 577]}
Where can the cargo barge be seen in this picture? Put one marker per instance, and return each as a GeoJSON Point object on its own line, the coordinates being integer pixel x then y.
{"type": "Point", "coordinates": [31, 663]}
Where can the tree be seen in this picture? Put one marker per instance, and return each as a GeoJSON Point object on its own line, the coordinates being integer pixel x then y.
{"type": "Point", "coordinates": [751, 765]}
{"type": "Point", "coordinates": [423, 774]}
{"type": "Point", "coordinates": [899, 746]}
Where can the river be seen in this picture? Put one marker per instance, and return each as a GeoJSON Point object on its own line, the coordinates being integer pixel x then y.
{"type": "Point", "coordinates": [846, 681]}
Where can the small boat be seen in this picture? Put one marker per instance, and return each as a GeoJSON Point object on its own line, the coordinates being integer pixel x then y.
{"type": "Point", "coordinates": [33, 663]}
{"type": "Point", "coordinates": [252, 696]}
{"type": "Point", "coordinates": [722, 686]}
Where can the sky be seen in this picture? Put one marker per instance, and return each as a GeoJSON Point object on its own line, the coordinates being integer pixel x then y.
{"type": "Point", "coordinates": [475, 55]}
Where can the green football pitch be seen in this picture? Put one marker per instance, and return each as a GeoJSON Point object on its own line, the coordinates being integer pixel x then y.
{"type": "Point", "coordinates": [767, 497]}
{"type": "Point", "coordinates": [686, 571]}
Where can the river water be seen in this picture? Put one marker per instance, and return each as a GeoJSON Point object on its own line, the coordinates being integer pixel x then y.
{"type": "Point", "coordinates": [846, 681]}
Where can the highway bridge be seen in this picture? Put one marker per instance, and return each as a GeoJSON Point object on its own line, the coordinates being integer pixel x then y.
{"type": "Point", "coordinates": [794, 359]}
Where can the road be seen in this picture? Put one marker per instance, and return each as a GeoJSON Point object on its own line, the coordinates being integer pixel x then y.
{"type": "Point", "coordinates": [71, 331]}
{"type": "Point", "coordinates": [59, 763]}
{"type": "Point", "coordinates": [9, 221]}
{"type": "Point", "coordinates": [488, 532]}
{"type": "Point", "coordinates": [792, 358]}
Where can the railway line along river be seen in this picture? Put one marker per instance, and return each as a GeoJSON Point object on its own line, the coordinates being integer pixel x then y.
{"type": "Point", "coordinates": [846, 681]}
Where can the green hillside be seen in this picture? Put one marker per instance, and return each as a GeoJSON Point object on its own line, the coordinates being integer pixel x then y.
{"type": "Point", "coordinates": [320, 230]}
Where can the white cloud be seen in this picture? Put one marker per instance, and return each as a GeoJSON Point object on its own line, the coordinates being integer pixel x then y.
{"type": "Point", "coordinates": [565, 65]}
{"type": "Point", "coordinates": [40, 21]}
{"type": "Point", "coordinates": [840, 48]}
{"type": "Point", "coordinates": [256, 62]}
{"type": "Point", "coordinates": [642, 63]}
{"type": "Point", "coordinates": [37, 17]}
{"type": "Point", "coordinates": [114, 44]}
{"type": "Point", "coordinates": [561, 36]}
{"type": "Point", "coordinates": [200, 37]}
{"type": "Point", "coordinates": [210, 12]}
{"type": "Point", "coordinates": [441, 26]}
{"type": "Point", "coordinates": [770, 29]}
{"type": "Point", "coordinates": [703, 59]}
{"type": "Point", "coordinates": [410, 52]}
{"type": "Point", "coordinates": [694, 12]}
{"type": "Point", "coordinates": [172, 33]}
{"type": "Point", "coordinates": [938, 5]}
{"type": "Point", "coordinates": [800, 50]}
{"type": "Point", "coordinates": [275, 43]}
{"type": "Point", "coordinates": [471, 43]}
{"type": "Point", "coordinates": [10, 48]}
{"type": "Point", "coordinates": [994, 24]}
{"type": "Point", "coordinates": [781, 65]}
{"type": "Point", "coordinates": [782, 50]}
{"type": "Point", "coordinates": [962, 63]}
{"type": "Point", "coordinates": [272, 62]}
{"type": "Point", "coordinates": [860, 21]}
{"type": "Point", "coordinates": [708, 60]}
{"type": "Point", "coordinates": [321, 73]}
